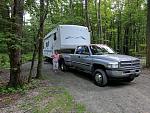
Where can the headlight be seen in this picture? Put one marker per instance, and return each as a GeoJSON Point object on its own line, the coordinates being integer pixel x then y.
{"type": "Point", "coordinates": [113, 65]}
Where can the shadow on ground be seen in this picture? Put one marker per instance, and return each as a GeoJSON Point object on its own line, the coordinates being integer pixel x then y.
{"type": "Point", "coordinates": [111, 83]}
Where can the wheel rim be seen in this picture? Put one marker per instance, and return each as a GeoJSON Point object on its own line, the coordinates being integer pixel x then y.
{"type": "Point", "coordinates": [98, 77]}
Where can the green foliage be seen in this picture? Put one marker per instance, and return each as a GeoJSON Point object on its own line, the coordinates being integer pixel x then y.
{"type": "Point", "coordinates": [4, 59]}
{"type": "Point", "coordinates": [44, 98]}
{"type": "Point", "coordinates": [23, 89]}
{"type": "Point", "coordinates": [114, 14]}
{"type": "Point", "coordinates": [57, 99]}
{"type": "Point", "coordinates": [9, 90]}
{"type": "Point", "coordinates": [27, 57]}
{"type": "Point", "coordinates": [3, 47]}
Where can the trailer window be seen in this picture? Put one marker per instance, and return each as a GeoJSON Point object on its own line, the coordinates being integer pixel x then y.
{"type": "Point", "coordinates": [47, 44]}
{"type": "Point", "coordinates": [55, 36]}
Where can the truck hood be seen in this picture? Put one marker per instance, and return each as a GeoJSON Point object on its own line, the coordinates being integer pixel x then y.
{"type": "Point", "coordinates": [115, 57]}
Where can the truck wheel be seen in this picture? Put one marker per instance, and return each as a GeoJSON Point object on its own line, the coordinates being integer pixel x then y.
{"type": "Point", "coordinates": [63, 67]}
{"type": "Point", "coordinates": [100, 77]}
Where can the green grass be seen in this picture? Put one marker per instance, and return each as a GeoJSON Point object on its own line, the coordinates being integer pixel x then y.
{"type": "Point", "coordinates": [39, 97]}
{"type": "Point", "coordinates": [4, 59]}
{"type": "Point", "coordinates": [57, 99]}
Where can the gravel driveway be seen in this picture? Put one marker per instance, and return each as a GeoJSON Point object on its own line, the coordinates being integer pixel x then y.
{"type": "Point", "coordinates": [131, 97]}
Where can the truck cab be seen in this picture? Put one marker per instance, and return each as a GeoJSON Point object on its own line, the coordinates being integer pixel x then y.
{"type": "Point", "coordinates": [103, 63]}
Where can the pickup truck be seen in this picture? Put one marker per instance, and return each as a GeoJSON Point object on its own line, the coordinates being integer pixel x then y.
{"type": "Point", "coordinates": [102, 63]}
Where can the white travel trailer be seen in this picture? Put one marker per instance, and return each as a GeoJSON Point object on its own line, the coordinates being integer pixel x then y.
{"type": "Point", "coordinates": [65, 37]}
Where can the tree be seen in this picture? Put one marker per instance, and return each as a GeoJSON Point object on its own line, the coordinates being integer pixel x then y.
{"type": "Point", "coordinates": [148, 34]}
{"type": "Point", "coordinates": [99, 22]}
{"type": "Point", "coordinates": [86, 14]}
{"type": "Point", "coordinates": [70, 6]}
{"type": "Point", "coordinates": [123, 21]}
{"type": "Point", "coordinates": [43, 14]}
{"type": "Point", "coordinates": [14, 43]}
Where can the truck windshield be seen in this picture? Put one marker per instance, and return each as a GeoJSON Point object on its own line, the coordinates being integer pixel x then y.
{"type": "Point", "coordinates": [101, 49]}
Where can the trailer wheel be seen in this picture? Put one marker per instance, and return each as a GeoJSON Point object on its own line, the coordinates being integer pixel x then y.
{"type": "Point", "coordinates": [100, 77]}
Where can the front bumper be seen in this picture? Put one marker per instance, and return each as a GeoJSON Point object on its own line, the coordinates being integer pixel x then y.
{"type": "Point", "coordinates": [112, 73]}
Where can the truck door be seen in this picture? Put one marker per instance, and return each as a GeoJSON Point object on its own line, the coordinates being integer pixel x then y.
{"type": "Point", "coordinates": [85, 59]}
{"type": "Point", "coordinates": [75, 58]}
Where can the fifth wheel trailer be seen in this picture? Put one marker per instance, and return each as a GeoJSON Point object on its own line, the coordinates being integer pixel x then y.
{"type": "Point", "coordinates": [100, 61]}
{"type": "Point", "coordinates": [65, 37]}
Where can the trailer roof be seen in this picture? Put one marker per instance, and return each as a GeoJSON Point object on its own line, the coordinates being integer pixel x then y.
{"type": "Point", "coordinates": [56, 28]}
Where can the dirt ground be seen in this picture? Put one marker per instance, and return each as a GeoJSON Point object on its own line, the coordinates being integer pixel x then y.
{"type": "Point", "coordinates": [116, 97]}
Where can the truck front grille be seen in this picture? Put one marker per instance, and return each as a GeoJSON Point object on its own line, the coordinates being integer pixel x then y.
{"type": "Point", "coordinates": [130, 65]}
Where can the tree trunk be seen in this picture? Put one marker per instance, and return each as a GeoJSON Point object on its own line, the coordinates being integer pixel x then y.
{"type": "Point", "coordinates": [118, 36]}
{"type": "Point", "coordinates": [126, 41]}
{"type": "Point", "coordinates": [148, 35]}
{"type": "Point", "coordinates": [14, 50]}
{"type": "Point", "coordinates": [86, 14]}
{"type": "Point", "coordinates": [82, 11]}
{"type": "Point", "coordinates": [99, 23]}
{"type": "Point", "coordinates": [36, 41]}
{"type": "Point", "coordinates": [33, 59]}
{"type": "Point", "coordinates": [40, 41]}
{"type": "Point", "coordinates": [119, 28]}
{"type": "Point", "coordinates": [105, 24]}
{"type": "Point", "coordinates": [70, 6]}
{"type": "Point", "coordinates": [43, 14]}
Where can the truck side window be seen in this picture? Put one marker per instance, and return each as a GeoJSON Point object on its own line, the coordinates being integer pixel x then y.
{"type": "Point", "coordinates": [96, 50]}
{"type": "Point", "coordinates": [79, 50]}
{"type": "Point", "coordinates": [85, 50]}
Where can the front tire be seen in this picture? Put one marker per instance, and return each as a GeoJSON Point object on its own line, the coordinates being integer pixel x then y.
{"type": "Point", "coordinates": [100, 77]}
